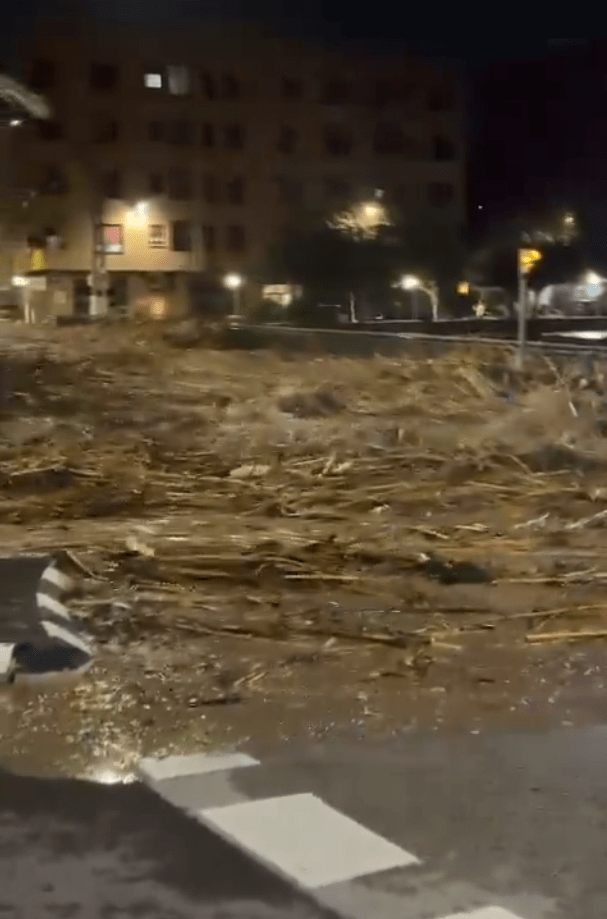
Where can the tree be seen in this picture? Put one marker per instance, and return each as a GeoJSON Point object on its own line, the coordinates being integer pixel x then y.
{"type": "Point", "coordinates": [362, 252]}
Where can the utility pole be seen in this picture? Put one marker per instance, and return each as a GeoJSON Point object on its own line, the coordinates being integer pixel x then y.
{"type": "Point", "coordinates": [526, 259]}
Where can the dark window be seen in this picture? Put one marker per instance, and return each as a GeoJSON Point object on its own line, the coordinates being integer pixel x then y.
{"type": "Point", "coordinates": [43, 74]}
{"type": "Point", "coordinates": [210, 189]}
{"type": "Point", "coordinates": [235, 191]}
{"type": "Point", "coordinates": [236, 240]}
{"type": "Point", "coordinates": [209, 87]}
{"type": "Point", "coordinates": [156, 131]}
{"type": "Point", "coordinates": [337, 140]}
{"type": "Point", "coordinates": [179, 184]}
{"type": "Point", "coordinates": [209, 237]}
{"type": "Point", "coordinates": [291, 88]}
{"type": "Point", "coordinates": [440, 99]}
{"type": "Point", "coordinates": [54, 181]}
{"type": "Point", "coordinates": [444, 149]}
{"type": "Point", "coordinates": [50, 130]}
{"type": "Point", "coordinates": [181, 236]}
{"type": "Point", "coordinates": [287, 140]}
{"type": "Point", "coordinates": [440, 194]}
{"type": "Point", "coordinates": [103, 77]}
{"type": "Point", "coordinates": [208, 135]}
{"type": "Point", "coordinates": [156, 183]}
{"type": "Point", "coordinates": [230, 87]}
{"type": "Point", "coordinates": [290, 191]}
{"type": "Point", "coordinates": [336, 92]}
{"type": "Point", "coordinates": [181, 133]}
{"type": "Point", "coordinates": [337, 188]}
{"type": "Point", "coordinates": [157, 236]}
{"type": "Point", "coordinates": [105, 131]}
{"type": "Point", "coordinates": [390, 140]}
{"type": "Point", "coordinates": [234, 137]}
{"type": "Point", "coordinates": [392, 92]}
{"type": "Point", "coordinates": [111, 184]}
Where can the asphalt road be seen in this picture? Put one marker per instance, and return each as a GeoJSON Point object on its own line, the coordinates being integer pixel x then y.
{"type": "Point", "coordinates": [73, 850]}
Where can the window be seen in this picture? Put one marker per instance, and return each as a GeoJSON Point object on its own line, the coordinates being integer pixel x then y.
{"type": "Point", "coordinates": [392, 92]}
{"type": "Point", "coordinates": [291, 88]}
{"type": "Point", "coordinates": [103, 77]}
{"type": "Point", "coordinates": [235, 191]}
{"type": "Point", "coordinates": [54, 181]}
{"type": "Point", "coordinates": [43, 75]}
{"type": "Point", "coordinates": [336, 187]}
{"type": "Point", "coordinates": [111, 184]}
{"type": "Point", "coordinates": [208, 135]}
{"type": "Point", "coordinates": [153, 78]}
{"type": "Point", "coordinates": [112, 239]}
{"type": "Point", "coordinates": [336, 92]}
{"type": "Point", "coordinates": [337, 140]}
{"type": "Point", "coordinates": [210, 189]}
{"type": "Point", "coordinates": [179, 184]}
{"type": "Point", "coordinates": [104, 131]}
{"type": "Point", "coordinates": [440, 99]}
{"type": "Point", "coordinates": [208, 85]}
{"type": "Point", "coordinates": [389, 140]}
{"type": "Point", "coordinates": [156, 183]}
{"type": "Point", "coordinates": [181, 133]}
{"type": "Point", "coordinates": [234, 137]}
{"type": "Point", "coordinates": [444, 149]}
{"type": "Point", "coordinates": [181, 236]}
{"type": "Point", "coordinates": [236, 240]}
{"type": "Point", "coordinates": [209, 237]}
{"type": "Point", "coordinates": [50, 130]}
{"type": "Point", "coordinates": [156, 131]}
{"type": "Point", "coordinates": [290, 191]}
{"type": "Point", "coordinates": [157, 238]}
{"type": "Point", "coordinates": [287, 140]}
{"type": "Point", "coordinates": [440, 194]}
{"type": "Point", "coordinates": [230, 87]}
{"type": "Point", "coordinates": [178, 80]}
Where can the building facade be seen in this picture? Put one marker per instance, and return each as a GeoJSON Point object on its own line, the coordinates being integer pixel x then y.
{"type": "Point", "coordinates": [174, 159]}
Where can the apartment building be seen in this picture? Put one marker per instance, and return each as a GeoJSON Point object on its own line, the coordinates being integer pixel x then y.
{"type": "Point", "coordinates": [176, 159]}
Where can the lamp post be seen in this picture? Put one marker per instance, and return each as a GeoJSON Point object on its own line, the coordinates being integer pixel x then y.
{"type": "Point", "coordinates": [412, 282]}
{"type": "Point", "coordinates": [234, 283]}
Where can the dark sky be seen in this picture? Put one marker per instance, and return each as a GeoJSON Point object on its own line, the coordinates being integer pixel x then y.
{"type": "Point", "coordinates": [536, 115]}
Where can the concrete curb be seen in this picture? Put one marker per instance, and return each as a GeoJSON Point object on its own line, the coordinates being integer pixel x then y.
{"type": "Point", "coordinates": [45, 638]}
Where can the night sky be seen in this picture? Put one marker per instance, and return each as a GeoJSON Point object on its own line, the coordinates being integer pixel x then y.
{"type": "Point", "coordinates": [537, 106]}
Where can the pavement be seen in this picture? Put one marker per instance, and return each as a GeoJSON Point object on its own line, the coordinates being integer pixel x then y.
{"type": "Point", "coordinates": [477, 826]}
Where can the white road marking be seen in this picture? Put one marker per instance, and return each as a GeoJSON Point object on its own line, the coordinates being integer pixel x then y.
{"type": "Point", "coordinates": [61, 580]}
{"type": "Point", "coordinates": [56, 631]}
{"type": "Point", "coordinates": [171, 767]}
{"type": "Point", "coordinates": [52, 605]}
{"type": "Point", "coordinates": [306, 839]}
{"type": "Point", "coordinates": [6, 658]}
{"type": "Point", "coordinates": [487, 912]}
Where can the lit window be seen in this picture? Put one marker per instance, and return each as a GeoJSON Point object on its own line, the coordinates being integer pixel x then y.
{"type": "Point", "coordinates": [113, 239]}
{"type": "Point", "coordinates": [178, 79]}
{"type": "Point", "coordinates": [158, 236]}
{"type": "Point", "coordinates": [153, 80]}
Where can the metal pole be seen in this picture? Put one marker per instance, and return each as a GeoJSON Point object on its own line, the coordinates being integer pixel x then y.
{"type": "Point", "coordinates": [522, 318]}
{"type": "Point", "coordinates": [237, 301]}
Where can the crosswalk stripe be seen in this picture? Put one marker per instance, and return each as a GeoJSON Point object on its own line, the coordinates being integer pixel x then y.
{"type": "Point", "coordinates": [306, 839]}
{"type": "Point", "coordinates": [487, 912]}
{"type": "Point", "coordinates": [172, 767]}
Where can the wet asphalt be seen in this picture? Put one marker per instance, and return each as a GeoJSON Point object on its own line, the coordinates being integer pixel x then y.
{"type": "Point", "coordinates": [76, 850]}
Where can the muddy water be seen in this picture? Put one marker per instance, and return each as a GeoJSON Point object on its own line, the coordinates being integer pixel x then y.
{"type": "Point", "coordinates": [148, 699]}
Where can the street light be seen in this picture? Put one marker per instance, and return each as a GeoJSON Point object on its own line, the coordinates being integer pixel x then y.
{"type": "Point", "coordinates": [412, 282]}
{"type": "Point", "coordinates": [234, 283]}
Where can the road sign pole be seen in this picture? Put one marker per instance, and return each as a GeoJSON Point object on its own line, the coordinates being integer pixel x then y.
{"type": "Point", "coordinates": [522, 318]}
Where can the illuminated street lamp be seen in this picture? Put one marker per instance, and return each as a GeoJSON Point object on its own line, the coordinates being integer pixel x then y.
{"type": "Point", "coordinates": [412, 282]}
{"type": "Point", "coordinates": [234, 283]}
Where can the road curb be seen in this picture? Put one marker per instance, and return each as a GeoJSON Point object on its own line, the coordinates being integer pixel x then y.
{"type": "Point", "coordinates": [45, 639]}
